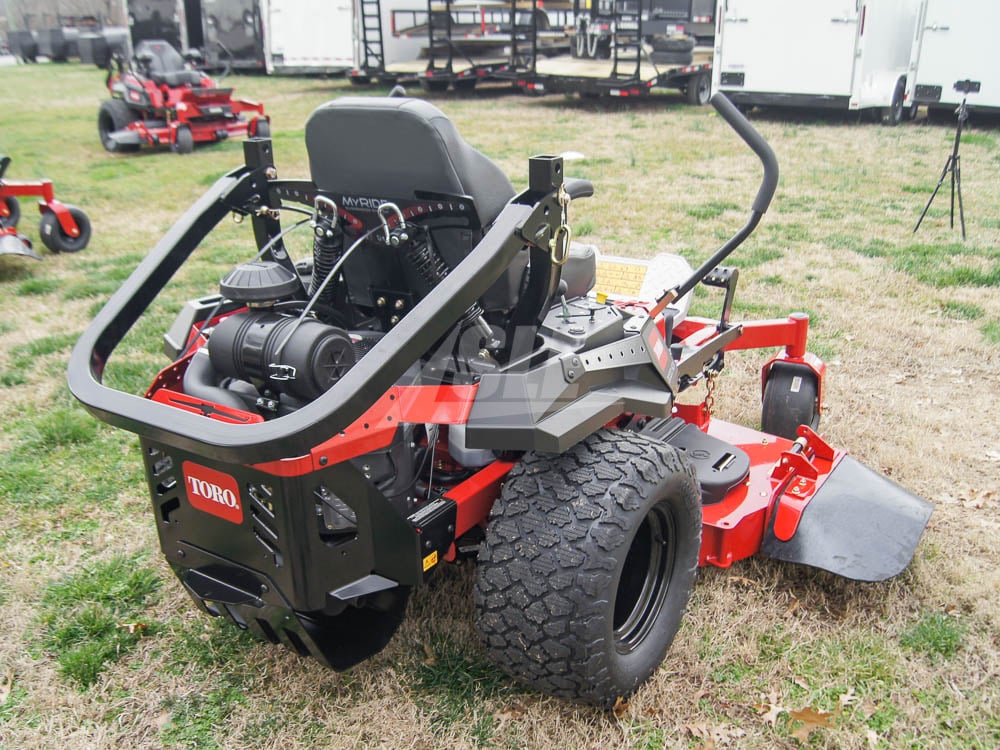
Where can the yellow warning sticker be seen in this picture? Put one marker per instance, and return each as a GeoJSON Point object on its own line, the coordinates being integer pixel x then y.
{"type": "Point", "coordinates": [430, 561]}
{"type": "Point", "coordinates": [620, 279]}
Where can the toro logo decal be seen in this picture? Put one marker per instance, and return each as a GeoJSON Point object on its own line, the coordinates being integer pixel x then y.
{"type": "Point", "coordinates": [213, 492]}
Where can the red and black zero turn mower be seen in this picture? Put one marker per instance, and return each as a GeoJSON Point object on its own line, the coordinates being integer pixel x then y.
{"type": "Point", "coordinates": [439, 382]}
{"type": "Point", "coordinates": [161, 99]}
{"type": "Point", "coordinates": [63, 228]}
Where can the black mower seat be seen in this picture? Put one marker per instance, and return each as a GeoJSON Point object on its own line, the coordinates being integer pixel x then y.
{"type": "Point", "coordinates": [389, 147]}
{"type": "Point", "coordinates": [164, 65]}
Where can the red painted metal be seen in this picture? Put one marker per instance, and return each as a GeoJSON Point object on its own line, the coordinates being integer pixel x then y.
{"type": "Point", "coordinates": [734, 528]}
{"type": "Point", "coordinates": [475, 496]}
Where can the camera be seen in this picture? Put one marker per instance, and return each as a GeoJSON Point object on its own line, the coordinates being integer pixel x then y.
{"type": "Point", "coordinates": [967, 86]}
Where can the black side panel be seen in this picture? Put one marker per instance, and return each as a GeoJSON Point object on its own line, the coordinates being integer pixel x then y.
{"type": "Point", "coordinates": [859, 525]}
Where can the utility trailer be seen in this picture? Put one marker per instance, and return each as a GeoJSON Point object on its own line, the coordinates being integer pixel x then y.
{"type": "Point", "coordinates": [160, 19]}
{"type": "Point", "coordinates": [955, 42]}
{"type": "Point", "coordinates": [458, 44]}
{"type": "Point", "coordinates": [234, 35]}
{"type": "Point", "coordinates": [308, 36]}
{"type": "Point", "coordinates": [627, 48]}
{"type": "Point", "coordinates": [836, 54]}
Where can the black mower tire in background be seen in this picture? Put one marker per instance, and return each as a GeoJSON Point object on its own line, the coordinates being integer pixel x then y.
{"type": "Point", "coordinates": [791, 398]}
{"type": "Point", "coordinates": [14, 207]}
{"type": "Point", "coordinates": [115, 115]}
{"type": "Point", "coordinates": [263, 128]}
{"type": "Point", "coordinates": [699, 89]}
{"type": "Point", "coordinates": [56, 240]}
{"type": "Point", "coordinates": [183, 141]}
{"type": "Point", "coordinates": [588, 564]}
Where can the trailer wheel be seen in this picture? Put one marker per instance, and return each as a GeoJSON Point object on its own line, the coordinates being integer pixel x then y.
{"type": "Point", "coordinates": [435, 87]}
{"type": "Point", "coordinates": [464, 85]}
{"type": "Point", "coordinates": [893, 114]}
{"type": "Point", "coordinates": [699, 89]}
{"type": "Point", "coordinates": [587, 566]}
{"type": "Point", "coordinates": [13, 212]}
{"type": "Point", "coordinates": [183, 141]}
{"type": "Point", "coordinates": [115, 115]}
{"type": "Point", "coordinates": [56, 240]}
{"type": "Point", "coordinates": [791, 398]}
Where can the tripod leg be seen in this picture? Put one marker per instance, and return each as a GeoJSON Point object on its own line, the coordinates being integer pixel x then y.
{"type": "Point", "coordinates": [951, 220]}
{"type": "Point", "coordinates": [944, 172]}
{"type": "Point", "coordinates": [957, 177]}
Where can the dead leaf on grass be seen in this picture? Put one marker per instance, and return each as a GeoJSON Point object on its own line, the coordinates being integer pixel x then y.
{"type": "Point", "coordinates": [811, 721]}
{"type": "Point", "coordinates": [801, 683]}
{"type": "Point", "coordinates": [771, 708]}
{"type": "Point", "coordinates": [6, 685]}
{"type": "Point", "coordinates": [162, 720]}
{"type": "Point", "coordinates": [847, 699]}
{"type": "Point", "coordinates": [512, 712]}
{"type": "Point", "coordinates": [133, 627]}
{"type": "Point", "coordinates": [741, 579]}
{"type": "Point", "coordinates": [429, 658]}
{"type": "Point", "coordinates": [620, 708]}
{"type": "Point", "coordinates": [872, 736]}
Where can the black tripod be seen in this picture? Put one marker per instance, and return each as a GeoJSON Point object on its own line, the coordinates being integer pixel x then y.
{"type": "Point", "coordinates": [953, 165]}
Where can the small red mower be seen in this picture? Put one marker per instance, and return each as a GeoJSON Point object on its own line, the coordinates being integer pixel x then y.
{"type": "Point", "coordinates": [161, 99]}
{"type": "Point", "coordinates": [439, 382]}
{"type": "Point", "coordinates": [63, 228]}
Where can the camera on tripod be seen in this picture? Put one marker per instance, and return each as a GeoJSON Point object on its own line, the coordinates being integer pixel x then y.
{"type": "Point", "coordinates": [968, 87]}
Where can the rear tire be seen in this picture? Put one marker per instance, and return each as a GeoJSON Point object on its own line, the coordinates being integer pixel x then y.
{"type": "Point", "coordinates": [791, 398]}
{"type": "Point", "coordinates": [699, 89]}
{"type": "Point", "coordinates": [183, 141]}
{"type": "Point", "coordinates": [14, 209]}
{"type": "Point", "coordinates": [587, 566]}
{"type": "Point", "coordinates": [893, 114]}
{"type": "Point", "coordinates": [56, 240]}
{"type": "Point", "coordinates": [115, 115]}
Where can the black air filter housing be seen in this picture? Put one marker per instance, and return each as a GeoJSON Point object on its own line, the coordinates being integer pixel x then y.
{"type": "Point", "coordinates": [260, 282]}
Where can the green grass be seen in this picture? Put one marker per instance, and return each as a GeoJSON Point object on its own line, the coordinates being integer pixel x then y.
{"type": "Point", "coordinates": [454, 689]}
{"type": "Point", "coordinates": [96, 616]}
{"type": "Point", "coordinates": [837, 242]}
{"type": "Point", "coordinates": [936, 634]}
{"type": "Point", "coordinates": [194, 722]}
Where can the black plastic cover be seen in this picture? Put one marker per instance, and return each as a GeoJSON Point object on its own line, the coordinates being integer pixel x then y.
{"type": "Point", "coordinates": [859, 524]}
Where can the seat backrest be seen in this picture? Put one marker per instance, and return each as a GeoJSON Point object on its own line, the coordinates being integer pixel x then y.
{"type": "Point", "coordinates": [164, 58]}
{"type": "Point", "coordinates": [390, 147]}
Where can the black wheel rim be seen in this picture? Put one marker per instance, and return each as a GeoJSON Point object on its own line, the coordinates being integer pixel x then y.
{"type": "Point", "coordinates": [645, 579]}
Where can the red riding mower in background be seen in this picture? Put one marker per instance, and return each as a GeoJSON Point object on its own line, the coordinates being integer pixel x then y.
{"type": "Point", "coordinates": [63, 228]}
{"type": "Point", "coordinates": [160, 99]}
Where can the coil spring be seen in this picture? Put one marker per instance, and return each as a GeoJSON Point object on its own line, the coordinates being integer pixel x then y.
{"type": "Point", "coordinates": [427, 262]}
{"type": "Point", "coordinates": [326, 252]}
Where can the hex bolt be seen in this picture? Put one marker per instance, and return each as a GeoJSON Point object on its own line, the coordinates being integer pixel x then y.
{"type": "Point", "coordinates": [400, 304]}
{"type": "Point", "coordinates": [380, 302]}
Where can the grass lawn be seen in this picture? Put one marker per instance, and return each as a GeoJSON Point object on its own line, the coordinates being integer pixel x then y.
{"type": "Point", "coordinates": [100, 647]}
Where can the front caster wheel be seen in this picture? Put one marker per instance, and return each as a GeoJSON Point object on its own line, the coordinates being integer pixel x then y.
{"type": "Point", "coordinates": [55, 238]}
{"type": "Point", "coordinates": [587, 566]}
{"type": "Point", "coordinates": [791, 398]}
{"type": "Point", "coordinates": [12, 214]}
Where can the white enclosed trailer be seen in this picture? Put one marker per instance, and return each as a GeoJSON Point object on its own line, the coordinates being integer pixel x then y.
{"type": "Point", "coordinates": [957, 41]}
{"type": "Point", "coordinates": [841, 54]}
{"type": "Point", "coordinates": [308, 36]}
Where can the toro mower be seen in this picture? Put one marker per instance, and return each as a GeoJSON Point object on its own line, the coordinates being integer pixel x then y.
{"type": "Point", "coordinates": [447, 377]}
{"type": "Point", "coordinates": [63, 228]}
{"type": "Point", "coordinates": [161, 99]}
